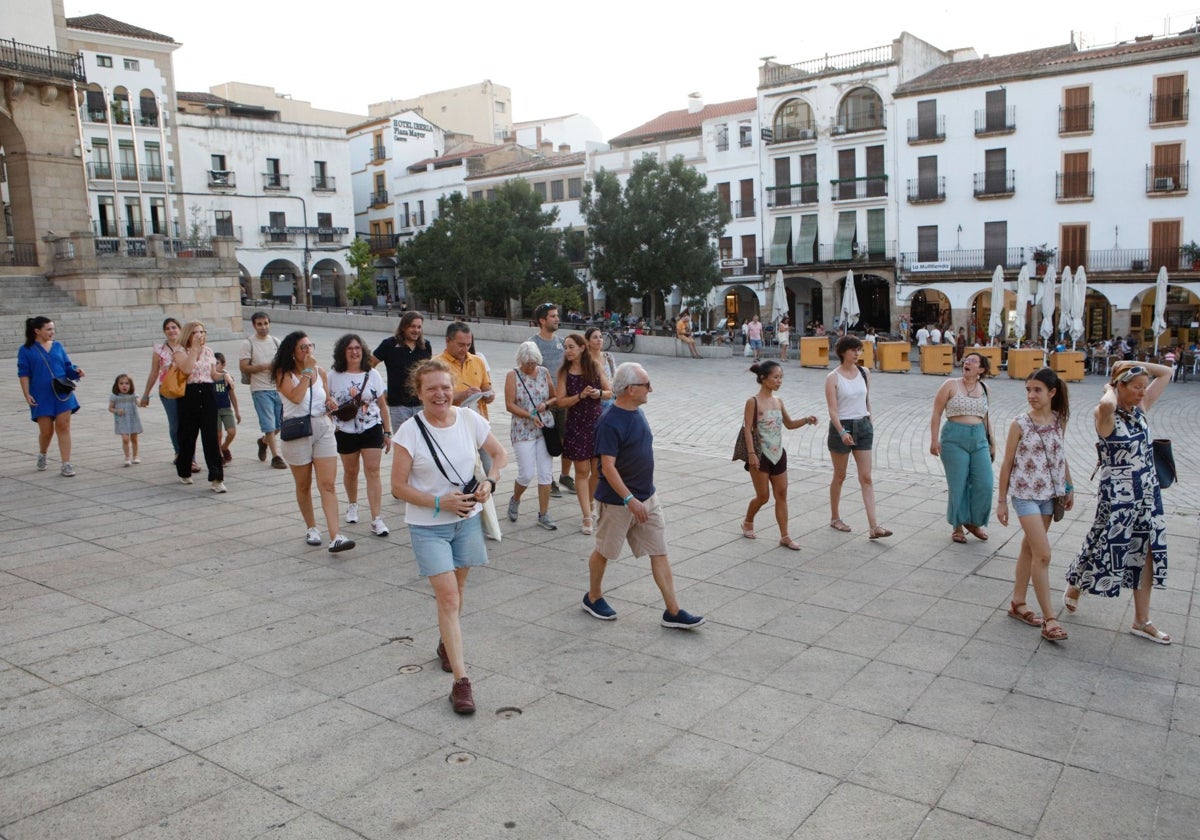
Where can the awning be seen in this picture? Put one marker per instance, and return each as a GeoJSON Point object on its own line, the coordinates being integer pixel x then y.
{"type": "Point", "coordinates": [781, 240]}
{"type": "Point", "coordinates": [807, 239]}
{"type": "Point", "coordinates": [843, 246]}
{"type": "Point", "coordinates": [876, 233]}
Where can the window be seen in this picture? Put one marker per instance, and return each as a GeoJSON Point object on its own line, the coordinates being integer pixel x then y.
{"type": "Point", "coordinates": [421, 212]}
{"type": "Point", "coordinates": [104, 61]}
{"type": "Point", "coordinates": [861, 110]}
{"type": "Point", "coordinates": [876, 232]}
{"type": "Point", "coordinates": [746, 202]}
{"type": "Point", "coordinates": [929, 126]}
{"type": "Point", "coordinates": [218, 162]}
{"type": "Point", "coordinates": [491, 194]}
{"type": "Point", "coordinates": [131, 64]}
{"type": "Point", "coordinates": [793, 121]}
{"type": "Point", "coordinates": [120, 107]}
{"type": "Point", "coordinates": [1073, 241]}
{"type": "Point", "coordinates": [847, 235]}
{"type": "Point", "coordinates": [127, 170]}
{"type": "Point", "coordinates": [321, 179]}
{"type": "Point", "coordinates": [153, 167]}
{"type": "Point", "coordinates": [995, 244]}
{"type": "Point", "coordinates": [501, 107]}
{"type": "Point", "coordinates": [148, 109]}
{"type": "Point", "coordinates": [539, 189]}
{"type": "Point", "coordinates": [808, 179]}
{"type": "Point", "coordinates": [325, 227]}
{"type": "Point", "coordinates": [996, 117]}
{"type": "Point", "coordinates": [106, 216]}
{"type": "Point", "coordinates": [101, 162]}
{"type": "Point", "coordinates": [378, 152]}
{"type": "Point", "coordinates": [223, 220]}
{"type": "Point", "coordinates": [158, 215]}
{"type": "Point", "coordinates": [1076, 112]}
{"type": "Point", "coordinates": [723, 197]}
{"type": "Point", "coordinates": [97, 108]}
{"type": "Point", "coordinates": [1170, 100]}
{"type": "Point", "coordinates": [405, 218]}
{"type": "Point", "coordinates": [806, 242]}
{"type": "Point", "coordinates": [750, 253]}
{"type": "Point", "coordinates": [556, 190]}
{"type": "Point", "coordinates": [273, 178]}
{"type": "Point", "coordinates": [725, 247]}
{"type": "Point", "coordinates": [745, 135]}
{"type": "Point", "coordinates": [846, 173]}
{"type": "Point", "coordinates": [1168, 173]}
{"type": "Point", "coordinates": [783, 181]}
{"type": "Point", "coordinates": [781, 241]}
{"type": "Point", "coordinates": [927, 243]}
{"type": "Point", "coordinates": [997, 178]}
{"type": "Point", "coordinates": [876, 177]}
{"type": "Point", "coordinates": [133, 218]}
{"type": "Point", "coordinates": [723, 137]}
{"type": "Point", "coordinates": [574, 187]}
{"type": "Point", "coordinates": [1165, 237]}
{"type": "Point", "coordinates": [1076, 178]}
{"type": "Point", "coordinates": [278, 225]}
{"type": "Point", "coordinates": [928, 186]}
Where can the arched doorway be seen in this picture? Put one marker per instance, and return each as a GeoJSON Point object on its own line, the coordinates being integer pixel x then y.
{"type": "Point", "coordinates": [1183, 310]}
{"type": "Point", "coordinates": [327, 280]}
{"type": "Point", "coordinates": [981, 317]}
{"type": "Point", "coordinates": [874, 301]}
{"type": "Point", "coordinates": [805, 302]}
{"type": "Point", "coordinates": [280, 280]}
{"type": "Point", "coordinates": [19, 225]}
{"type": "Point", "coordinates": [741, 304]}
{"type": "Point", "coordinates": [927, 307]}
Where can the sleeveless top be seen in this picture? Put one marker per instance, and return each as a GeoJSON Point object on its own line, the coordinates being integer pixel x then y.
{"type": "Point", "coordinates": [770, 434]}
{"type": "Point", "coordinates": [1039, 469]}
{"type": "Point", "coordinates": [851, 396]}
{"type": "Point", "coordinates": [961, 404]}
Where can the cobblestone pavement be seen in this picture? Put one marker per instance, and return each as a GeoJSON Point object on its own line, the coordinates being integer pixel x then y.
{"type": "Point", "coordinates": [177, 664]}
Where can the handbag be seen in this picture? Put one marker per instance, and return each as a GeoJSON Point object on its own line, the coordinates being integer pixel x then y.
{"type": "Point", "coordinates": [489, 520]}
{"type": "Point", "coordinates": [63, 386]}
{"type": "Point", "coordinates": [1059, 508]}
{"type": "Point", "coordinates": [346, 411]}
{"type": "Point", "coordinates": [551, 435]}
{"type": "Point", "coordinates": [294, 428]}
{"type": "Point", "coordinates": [1164, 462]}
{"type": "Point", "coordinates": [740, 453]}
{"type": "Point", "coordinates": [174, 384]}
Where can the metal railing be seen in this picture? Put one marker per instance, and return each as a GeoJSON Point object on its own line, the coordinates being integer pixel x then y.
{"type": "Point", "coordinates": [130, 172]}
{"type": "Point", "coordinates": [864, 186]}
{"type": "Point", "coordinates": [18, 253]}
{"type": "Point", "coordinates": [1069, 185]}
{"type": "Point", "coordinates": [380, 243]}
{"type": "Point", "coordinates": [1167, 179]}
{"type": "Point", "coordinates": [771, 73]}
{"type": "Point", "coordinates": [751, 267]}
{"type": "Point", "coordinates": [26, 58]}
{"type": "Point", "coordinates": [794, 132]}
{"type": "Point", "coordinates": [1076, 118]}
{"type": "Point", "coordinates": [740, 209]}
{"type": "Point", "coordinates": [923, 131]}
{"type": "Point", "coordinates": [190, 248]}
{"type": "Point", "coordinates": [828, 252]}
{"type": "Point", "coordinates": [995, 183]}
{"type": "Point", "coordinates": [793, 194]}
{"type": "Point", "coordinates": [1170, 107]}
{"type": "Point", "coordinates": [147, 119]}
{"type": "Point", "coordinates": [854, 123]}
{"type": "Point", "coordinates": [378, 198]}
{"type": "Point", "coordinates": [234, 231]}
{"type": "Point", "coordinates": [222, 178]}
{"type": "Point", "coordinates": [324, 183]}
{"type": "Point", "coordinates": [275, 181]}
{"type": "Point", "coordinates": [926, 189]}
{"type": "Point", "coordinates": [982, 260]}
{"type": "Point", "coordinates": [996, 121]}
{"type": "Point", "coordinates": [378, 153]}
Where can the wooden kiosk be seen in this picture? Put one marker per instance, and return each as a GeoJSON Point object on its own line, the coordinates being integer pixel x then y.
{"type": "Point", "coordinates": [994, 355]}
{"type": "Point", "coordinates": [937, 359]}
{"type": "Point", "coordinates": [814, 351]}
{"type": "Point", "coordinates": [1023, 362]}
{"type": "Point", "coordinates": [1068, 365]}
{"type": "Point", "coordinates": [894, 356]}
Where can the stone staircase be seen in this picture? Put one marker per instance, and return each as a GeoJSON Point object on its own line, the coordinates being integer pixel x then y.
{"type": "Point", "coordinates": [79, 329]}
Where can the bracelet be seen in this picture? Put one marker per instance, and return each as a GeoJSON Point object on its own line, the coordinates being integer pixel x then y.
{"type": "Point", "coordinates": [387, 432]}
{"type": "Point", "coordinates": [309, 371]}
{"type": "Point", "coordinates": [625, 501]}
{"type": "Point", "coordinates": [437, 505]}
{"type": "Point", "coordinates": [1070, 487]}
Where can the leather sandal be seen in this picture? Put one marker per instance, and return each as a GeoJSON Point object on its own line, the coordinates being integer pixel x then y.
{"type": "Point", "coordinates": [1150, 632]}
{"type": "Point", "coordinates": [1055, 633]}
{"type": "Point", "coordinates": [839, 525]}
{"type": "Point", "coordinates": [588, 526]}
{"type": "Point", "coordinates": [977, 532]}
{"type": "Point", "coordinates": [879, 532]}
{"type": "Point", "coordinates": [958, 536]}
{"type": "Point", "coordinates": [1071, 602]}
{"type": "Point", "coordinates": [788, 542]}
{"type": "Point", "coordinates": [748, 531]}
{"type": "Point", "coordinates": [1026, 615]}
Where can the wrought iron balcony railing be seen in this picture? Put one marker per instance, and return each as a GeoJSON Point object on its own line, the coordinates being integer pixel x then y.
{"type": "Point", "coordinates": [324, 183]}
{"type": "Point", "coordinates": [379, 198]}
{"type": "Point", "coordinates": [926, 189]}
{"type": "Point", "coordinates": [222, 178]}
{"type": "Point", "coordinates": [1165, 179]}
{"type": "Point", "coordinates": [1074, 185]}
{"type": "Point", "coordinates": [864, 186]}
{"type": "Point", "coordinates": [927, 131]}
{"type": "Point", "coordinates": [999, 121]}
{"type": "Point", "coordinates": [1169, 108]}
{"type": "Point", "coordinates": [275, 181]}
{"type": "Point", "coordinates": [41, 61]}
{"type": "Point", "coordinates": [793, 194]}
{"type": "Point", "coordinates": [1077, 118]}
{"type": "Point", "coordinates": [982, 260]}
{"type": "Point", "coordinates": [995, 183]}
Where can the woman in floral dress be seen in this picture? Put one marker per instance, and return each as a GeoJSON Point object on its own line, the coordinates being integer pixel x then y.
{"type": "Point", "coordinates": [581, 386]}
{"type": "Point", "coordinates": [1128, 532]}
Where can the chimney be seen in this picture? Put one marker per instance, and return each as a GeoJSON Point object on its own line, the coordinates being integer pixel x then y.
{"type": "Point", "coordinates": [546, 147]}
{"type": "Point", "coordinates": [564, 148]}
{"type": "Point", "coordinates": [695, 103]}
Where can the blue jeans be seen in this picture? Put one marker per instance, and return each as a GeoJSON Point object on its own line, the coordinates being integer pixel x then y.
{"type": "Point", "coordinates": [171, 409]}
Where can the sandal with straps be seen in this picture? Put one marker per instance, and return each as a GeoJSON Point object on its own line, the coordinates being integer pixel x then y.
{"type": "Point", "coordinates": [788, 542]}
{"type": "Point", "coordinates": [1026, 615]}
{"type": "Point", "coordinates": [588, 526]}
{"type": "Point", "coordinates": [1055, 633]}
{"type": "Point", "coordinates": [1071, 602]}
{"type": "Point", "coordinates": [839, 525]}
{"type": "Point", "coordinates": [878, 532]}
{"type": "Point", "coordinates": [958, 536]}
{"type": "Point", "coordinates": [1150, 632]}
{"type": "Point", "coordinates": [748, 531]}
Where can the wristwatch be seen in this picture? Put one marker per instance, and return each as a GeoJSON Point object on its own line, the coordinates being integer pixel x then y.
{"type": "Point", "coordinates": [491, 481]}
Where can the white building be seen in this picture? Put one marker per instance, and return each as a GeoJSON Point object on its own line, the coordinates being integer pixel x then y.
{"type": "Point", "coordinates": [1083, 153]}
{"type": "Point", "coordinates": [282, 189]}
{"type": "Point", "coordinates": [482, 111]}
{"type": "Point", "coordinates": [573, 131]}
{"type": "Point", "coordinates": [830, 169]}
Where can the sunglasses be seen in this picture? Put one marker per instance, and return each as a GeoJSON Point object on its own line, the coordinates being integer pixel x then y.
{"type": "Point", "coordinates": [1136, 370]}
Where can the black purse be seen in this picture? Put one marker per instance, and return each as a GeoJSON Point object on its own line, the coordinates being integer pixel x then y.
{"type": "Point", "coordinates": [294, 428]}
{"type": "Point", "coordinates": [63, 386]}
{"type": "Point", "coordinates": [1164, 462]}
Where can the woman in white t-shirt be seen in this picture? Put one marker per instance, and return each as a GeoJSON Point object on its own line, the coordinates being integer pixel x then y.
{"type": "Point", "coordinates": [433, 471]}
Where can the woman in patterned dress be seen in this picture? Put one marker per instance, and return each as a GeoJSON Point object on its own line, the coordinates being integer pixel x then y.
{"type": "Point", "coordinates": [581, 386]}
{"type": "Point", "coordinates": [1128, 531]}
{"type": "Point", "coordinates": [1035, 469]}
{"type": "Point", "coordinates": [528, 396]}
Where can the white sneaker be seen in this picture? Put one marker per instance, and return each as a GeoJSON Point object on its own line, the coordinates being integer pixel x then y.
{"type": "Point", "coordinates": [312, 536]}
{"type": "Point", "coordinates": [67, 470]}
{"type": "Point", "coordinates": [378, 528]}
{"type": "Point", "coordinates": [41, 461]}
{"type": "Point", "coordinates": [185, 479]}
{"type": "Point", "coordinates": [340, 543]}
{"type": "Point", "coordinates": [352, 512]}
{"type": "Point", "coordinates": [219, 487]}
{"type": "Point", "coordinates": [128, 462]}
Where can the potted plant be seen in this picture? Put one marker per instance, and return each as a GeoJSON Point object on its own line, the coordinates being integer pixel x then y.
{"type": "Point", "coordinates": [1191, 254]}
{"type": "Point", "coordinates": [1042, 254]}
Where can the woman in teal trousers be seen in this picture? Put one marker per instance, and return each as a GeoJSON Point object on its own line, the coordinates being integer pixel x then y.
{"type": "Point", "coordinates": [965, 446]}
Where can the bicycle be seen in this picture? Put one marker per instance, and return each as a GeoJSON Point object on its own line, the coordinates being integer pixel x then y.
{"type": "Point", "coordinates": [618, 340]}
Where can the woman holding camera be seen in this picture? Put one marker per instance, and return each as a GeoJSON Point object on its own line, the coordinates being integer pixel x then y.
{"type": "Point", "coordinates": [433, 471]}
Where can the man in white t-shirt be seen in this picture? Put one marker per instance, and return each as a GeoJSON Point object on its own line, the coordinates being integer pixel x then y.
{"type": "Point", "coordinates": [922, 336]}
{"type": "Point", "coordinates": [254, 361]}
{"type": "Point", "coordinates": [935, 335]}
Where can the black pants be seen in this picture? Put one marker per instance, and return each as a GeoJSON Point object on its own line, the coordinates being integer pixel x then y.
{"type": "Point", "coordinates": [198, 414]}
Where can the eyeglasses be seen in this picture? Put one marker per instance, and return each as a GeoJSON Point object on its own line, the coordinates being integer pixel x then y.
{"type": "Point", "coordinates": [1136, 370]}
{"type": "Point", "coordinates": [308, 346]}
{"type": "Point", "coordinates": [645, 384]}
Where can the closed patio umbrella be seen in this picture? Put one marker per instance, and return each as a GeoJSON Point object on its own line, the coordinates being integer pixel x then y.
{"type": "Point", "coordinates": [996, 322]}
{"type": "Point", "coordinates": [1065, 303]}
{"type": "Point", "coordinates": [779, 306]}
{"type": "Point", "coordinates": [1078, 301]}
{"type": "Point", "coordinates": [1047, 328]}
{"type": "Point", "coordinates": [849, 314]}
{"type": "Point", "coordinates": [1023, 298]}
{"type": "Point", "coordinates": [1160, 306]}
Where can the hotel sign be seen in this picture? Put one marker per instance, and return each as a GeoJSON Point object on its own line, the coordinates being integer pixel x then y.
{"type": "Point", "coordinates": [403, 129]}
{"type": "Point", "coordinates": [930, 266]}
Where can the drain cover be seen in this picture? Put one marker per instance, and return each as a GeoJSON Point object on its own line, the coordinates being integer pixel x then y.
{"type": "Point", "coordinates": [409, 669]}
{"type": "Point", "coordinates": [508, 712]}
{"type": "Point", "coordinates": [460, 758]}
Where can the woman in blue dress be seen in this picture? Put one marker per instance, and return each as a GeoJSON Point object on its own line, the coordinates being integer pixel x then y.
{"type": "Point", "coordinates": [1128, 533]}
{"type": "Point", "coordinates": [39, 361]}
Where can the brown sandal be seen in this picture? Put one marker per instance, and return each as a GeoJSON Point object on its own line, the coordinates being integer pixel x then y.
{"type": "Point", "coordinates": [1026, 615]}
{"type": "Point", "coordinates": [977, 532]}
{"type": "Point", "coordinates": [958, 537]}
{"type": "Point", "coordinates": [839, 525]}
{"type": "Point", "coordinates": [878, 532]}
{"type": "Point", "coordinates": [1055, 633]}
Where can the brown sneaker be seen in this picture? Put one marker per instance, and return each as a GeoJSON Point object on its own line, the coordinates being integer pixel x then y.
{"type": "Point", "coordinates": [278, 463]}
{"type": "Point", "coordinates": [262, 449]}
{"type": "Point", "coordinates": [226, 456]}
{"type": "Point", "coordinates": [441, 652]}
{"type": "Point", "coordinates": [460, 697]}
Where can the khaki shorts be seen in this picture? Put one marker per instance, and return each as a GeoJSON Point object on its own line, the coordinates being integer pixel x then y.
{"type": "Point", "coordinates": [617, 526]}
{"type": "Point", "coordinates": [320, 444]}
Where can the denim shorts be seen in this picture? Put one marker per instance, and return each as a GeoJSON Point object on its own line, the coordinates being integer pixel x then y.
{"type": "Point", "coordinates": [1030, 507]}
{"type": "Point", "coordinates": [444, 548]}
{"type": "Point", "coordinates": [269, 408]}
{"type": "Point", "coordinates": [860, 430]}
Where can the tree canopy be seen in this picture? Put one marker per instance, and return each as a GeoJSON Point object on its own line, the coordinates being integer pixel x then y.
{"type": "Point", "coordinates": [495, 249]}
{"type": "Point", "coordinates": [656, 233]}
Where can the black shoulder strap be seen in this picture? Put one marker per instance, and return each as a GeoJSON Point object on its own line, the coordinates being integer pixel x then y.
{"type": "Point", "coordinates": [431, 443]}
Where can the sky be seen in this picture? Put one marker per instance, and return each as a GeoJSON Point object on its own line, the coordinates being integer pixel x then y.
{"type": "Point", "coordinates": [619, 62]}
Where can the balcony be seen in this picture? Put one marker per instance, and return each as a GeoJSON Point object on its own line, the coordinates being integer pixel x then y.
{"type": "Point", "coordinates": [856, 123]}
{"type": "Point", "coordinates": [42, 61]}
{"type": "Point", "coordinates": [744, 267]}
{"type": "Point", "coordinates": [232, 231]}
{"type": "Point", "coordinates": [1163, 180]}
{"type": "Point", "coordinates": [378, 153]}
{"type": "Point", "coordinates": [1169, 108]}
{"type": "Point", "coordinates": [926, 190]}
{"type": "Point", "coordinates": [980, 260]}
{"type": "Point", "coordinates": [740, 209]}
{"type": "Point", "coordinates": [864, 186]}
{"type": "Point", "coordinates": [998, 121]}
{"type": "Point", "coordinates": [221, 179]}
{"type": "Point", "coordinates": [275, 181]}
{"type": "Point", "coordinates": [146, 119]}
{"type": "Point", "coordinates": [1077, 119]}
{"type": "Point", "coordinates": [998, 183]}
{"type": "Point", "coordinates": [793, 195]}
{"type": "Point", "coordinates": [324, 183]}
{"type": "Point", "coordinates": [99, 171]}
{"type": "Point", "coordinates": [927, 131]}
{"type": "Point", "coordinates": [382, 244]}
{"type": "Point", "coordinates": [276, 235]}
{"type": "Point", "coordinates": [1134, 261]}
{"type": "Point", "coordinates": [379, 199]}
{"type": "Point", "coordinates": [771, 73]}
{"type": "Point", "coordinates": [1075, 186]}
{"type": "Point", "coordinates": [794, 132]}
{"type": "Point", "coordinates": [96, 116]}
{"type": "Point", "coordinates": [120, 113]}
{"type": "Point", "coordinates": [154, 173]}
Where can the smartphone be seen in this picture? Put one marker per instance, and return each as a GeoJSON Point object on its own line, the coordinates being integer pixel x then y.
{"type": "Point", "coordinates": [471, 486]}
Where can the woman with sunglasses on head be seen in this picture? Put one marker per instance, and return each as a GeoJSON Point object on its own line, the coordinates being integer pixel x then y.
{"type": "Point", "coordinates": [1127, 544]}
{"type": "Point", "coordinates": [197, 408]}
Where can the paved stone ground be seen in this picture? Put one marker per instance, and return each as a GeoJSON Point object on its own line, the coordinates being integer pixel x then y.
{"type": "Point", "coordinates": [175, 664]}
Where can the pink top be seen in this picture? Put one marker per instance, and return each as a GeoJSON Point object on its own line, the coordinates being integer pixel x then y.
{"type": "Point", "coordinates": [202, 370]}
{"type": "Point", "coordinates": [165, 356]}
{"type": "Point", "coordinates": [754, 330]}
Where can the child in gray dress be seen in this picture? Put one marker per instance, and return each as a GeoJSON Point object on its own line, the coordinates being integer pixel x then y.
{"type": "Point", "coordinates": [123, 406]}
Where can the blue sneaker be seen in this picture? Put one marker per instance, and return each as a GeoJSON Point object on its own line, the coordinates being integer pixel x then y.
{"type": "Point", "coordinates": [599, 609]}
{"type": "Point", "coordinates": [682, 620]}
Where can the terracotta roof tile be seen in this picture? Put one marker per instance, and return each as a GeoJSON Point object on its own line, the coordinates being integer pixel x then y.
{"type": "Point", "coordinates": [103, 23]}
{"type": "Point", "coordinates": [682, 122]}
{"type": "Point", "coordinates": [201, 96]}
{"type": "Point", "coordinates": [453, 156]}
{"type": "Point", "coordinates": [552, 162]}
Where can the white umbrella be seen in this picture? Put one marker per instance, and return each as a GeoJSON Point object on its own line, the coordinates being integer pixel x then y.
{"type": "Point", "coordinates": [1047, 328]}
{"type": "Point", "coordinates": [1065, 303]}
{"type": "Point", "coordinates": [779, 298]}
{"type": "Point", "coordinates": [1160, 306]}
{"type": "Point", "coordinates": [1078, 304]}
{"type": "Point", "coordinates": [1023, 298]}
{"type": "Point", "coordinates": [850, 313]}
{"type": "Point", "coordinates": [996, 322]}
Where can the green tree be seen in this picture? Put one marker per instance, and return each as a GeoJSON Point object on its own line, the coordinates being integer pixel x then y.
{"type": "Point", "coordinates": [362, 261]}
{"type": "Point", "coordinates": [656, 233]}
{"type": "Point", "coordinates": [494, 250]}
